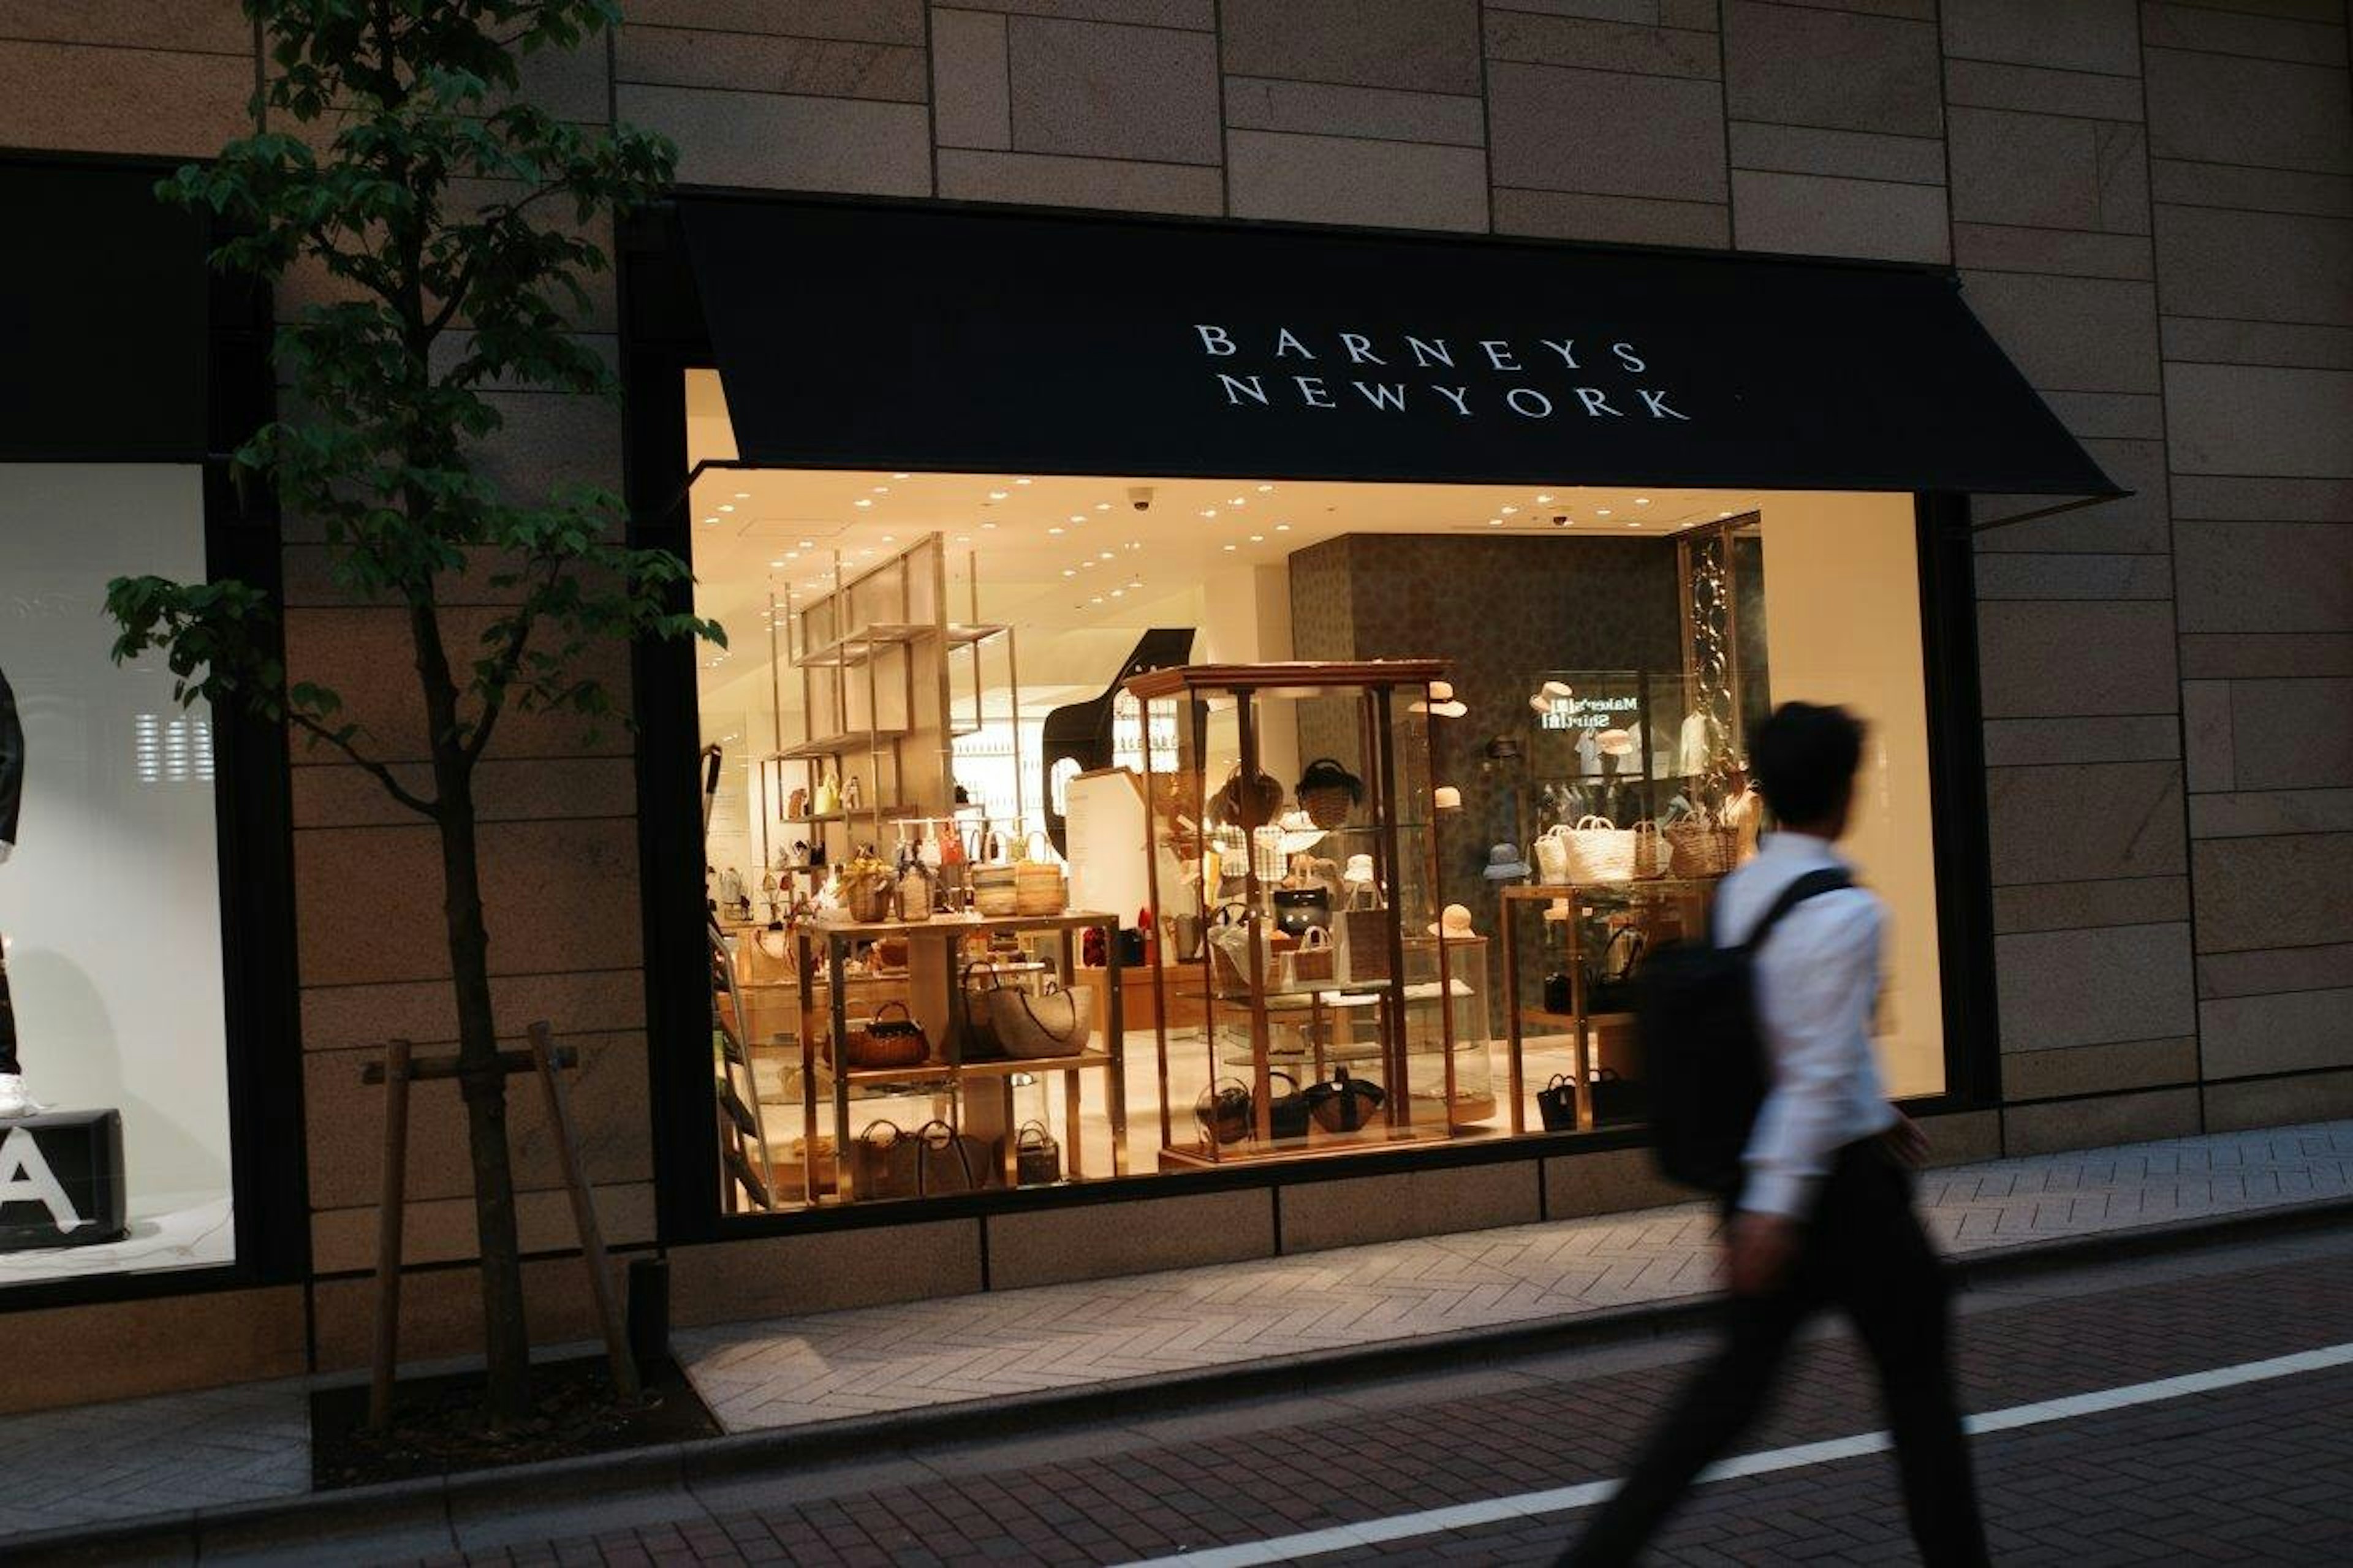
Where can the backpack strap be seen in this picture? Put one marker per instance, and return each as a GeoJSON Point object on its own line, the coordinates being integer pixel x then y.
{"type": "Point", "coordinates": [1828, 880]}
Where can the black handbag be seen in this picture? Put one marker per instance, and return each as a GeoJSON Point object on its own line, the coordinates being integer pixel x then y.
{"type": "Point", "coordinates": [1038, 1159]}
{"type": "Point", "coordinates": [1299, 910]}
{"type": "Point", "coordinates": [976, 1034]}
{"type": "Point", "coordinates": [1556, 1103]}
{"type": "Point", "coordinates": [1613, 987]}
{"type": "Point", "coordinates": [1343, 1104]}
{"type": "Point", "coordinates": [1228, 1110]}
{"type": "Point", "coordinates": [1617, 1099]}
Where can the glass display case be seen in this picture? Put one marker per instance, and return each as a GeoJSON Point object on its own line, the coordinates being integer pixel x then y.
{"type": "Point", "coordinates": [1326, 1002]}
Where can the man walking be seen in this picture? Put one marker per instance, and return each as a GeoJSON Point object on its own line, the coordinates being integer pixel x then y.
{"type": "Point", "coordinates": [1823, 1214]}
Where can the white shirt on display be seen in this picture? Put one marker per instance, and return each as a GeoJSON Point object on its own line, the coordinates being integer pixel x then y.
{"type": "Point", "coordinates": [1817, 982]}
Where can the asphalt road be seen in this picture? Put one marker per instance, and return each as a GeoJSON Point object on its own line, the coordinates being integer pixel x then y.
{"type": "Point", "coordinates": [2252, 1464]}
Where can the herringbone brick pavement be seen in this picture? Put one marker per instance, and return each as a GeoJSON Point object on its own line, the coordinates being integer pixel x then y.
{"type": "Point", "coordinates": [798, 1371]}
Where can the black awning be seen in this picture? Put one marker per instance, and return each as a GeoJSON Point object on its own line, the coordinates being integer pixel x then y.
{"type": "Point", "coordinates": [103, 294]}
{"type": "Point", "coordinates": [870, 336]}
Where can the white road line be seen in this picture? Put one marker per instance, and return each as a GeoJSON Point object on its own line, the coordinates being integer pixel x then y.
{"type": "Point", "coordinates": [1560, 1499]}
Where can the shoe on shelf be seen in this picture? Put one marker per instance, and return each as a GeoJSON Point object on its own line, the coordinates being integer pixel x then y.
{"type": "Point", "coordinates": [14, 1100]}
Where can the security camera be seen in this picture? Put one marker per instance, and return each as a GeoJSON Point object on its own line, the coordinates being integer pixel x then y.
{"type": "Point", "coordinates": [1140, 496]}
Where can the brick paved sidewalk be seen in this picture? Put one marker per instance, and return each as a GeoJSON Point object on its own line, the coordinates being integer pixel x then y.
{"type": "Point", "coordinates": [105, 1463]}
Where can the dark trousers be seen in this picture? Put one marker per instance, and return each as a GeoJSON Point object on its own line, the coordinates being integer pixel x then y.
{"type": "Point", "coordinates": [1865, 1253]}
{"type": "Point", "coordinates": [8, 1018]}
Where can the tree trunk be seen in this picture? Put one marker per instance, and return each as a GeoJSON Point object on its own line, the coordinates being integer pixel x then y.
{"type": "Point", "coordinates": [506, 1341]}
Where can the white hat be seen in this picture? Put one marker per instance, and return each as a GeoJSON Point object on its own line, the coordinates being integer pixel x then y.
{"type": "Point", "coordinates": [1616, 743]}
{"type": "Point", "coordinates": [1360, 871]}
{"type": "Point", "coordinates": [1557, 689]}
{"type": "Point", "coordinates": [1441, 701]}
{"type": "Point", "coordinates": [1446, 797]}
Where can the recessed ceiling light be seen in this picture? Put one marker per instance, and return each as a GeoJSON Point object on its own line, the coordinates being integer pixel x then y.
{"type": "Point", "coordinates": [1634, 523]}
{"type": "Point", "coordinates": [711, 520]}
{"type": "Point", "coordinates": [861, 501]}
{"type": "Point", "coordinates": [1119, 593]}
{"type": "Point", "coordinates": [1136, 544]}
{"type": "Point", "coordinates": [987, 526]}
{"type": "Point", "coordinates": [1069, 572]}
{"type": "Point", "coordinates": [1641, 500]}
{"type": "Point", "coordinates": [1022, 481]}
{"type": "Point", "coordinates": [1086, 565]}
{"type": "Point", "coordinates": [1282, 528]}
{"type": "Point", "coordinates": [1097, 599]}
{"type": "Point", "coordinates": [1078, 517]}
{"type": "Point", "coordinates": [1102, 506]}
{"type": "Point", "coordinates": [1233, 547]}
{"type": "Point", "coordinates": [1238, 500]}
{"type": "Point", "coordinates": [963, 539]}
{"type": "Point", "coordinates": [1258, 539]}
{"type": "Point", "coordinates": [725, 507]}
{"type": "Point", "coordinates": [1053, 531]}
{"type": "Point", "coordinates": [1601, 511]}
{"type": "Point", "coordinates": [1507, 510]}
{"type": "Point", "coordinates": [1544, 500]}
{"type": "Point", "coordinates": [997, 495]}
{"type": "Point", "coordinates": [1264, 490]}
{"type": "Point", "coordinates": [888, 538]}
{"type": "Point", "coordinates": [1494, 523]}
{"type": "Point", "coordinates": [864, 553]}
{"type": "Point", "coordinates": [882, 490]}
{"type": "Point", "coordinates": [743, 495]}
{"type": "Point", "coordinates": [793, 555]}
{"type": "Point", "coordinates": [1723, 514]}
{"type": "Point", "coordinates": [898, 476]}
{"type": "Point", "coordinates": [1105, 556]}
{"type": "Point", "coordinates": [1208, 511]}
{"type": "Point", "coordinates": [808, 545]}
{"type": "Point", "coordinates": [775, 563]}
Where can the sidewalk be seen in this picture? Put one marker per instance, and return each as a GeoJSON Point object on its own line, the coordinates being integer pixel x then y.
{"type": "Point", "coordinates": [186, 1455]}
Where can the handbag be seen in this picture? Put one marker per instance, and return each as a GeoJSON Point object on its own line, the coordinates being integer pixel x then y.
{"type": "Point", "coordinates": [1556, 1103]}
{"type": "Point", "coordinates": [1700, 844]}
{"type": "Point", "coordinates": [1036, 1158]}
{"type": "Point", "coordinates": [996, 892]}
{"type": "Point", "coordinates": [1315, 961]}
{"type": "Point", "coordinates": [1247, 805]}
{"type": "Point", "coordinates": [975, 1032]}
{"type": "Point", "coordinates": [1613, 987]}
{"type": "Point", "coordinates": [1227, 1111]}
{"type": "Point", "coordinates": [1559, 995]}
{"type": "Point", "coordinates": [1650, 849]}
{"type": "Point", "coordinates": [1363, 939]}
{"type": "Point", "coordinates": [884, 1042]}
{"type": "Point", "coordinates": [1298, 910]}
{"type": "Point", "coordinates": [1327, 793]}
{"type": "Point", "coordinates": [1595, 849]}
{"type": "Point", "coordinates": [1618, 1099]}
{"type": "Point", "coordinates": [1038, 885]}
{"type": "Point", "coordinates": [1230, 938]}
{"type": "Point", "coordinates": [1343, 1104]}
{"type": "Point", "coordinates": [882, 1161]}
{"type": "Point", "coordinates": [1053, 1023]}
{"type": "Point", "coordinates": [829, 796]}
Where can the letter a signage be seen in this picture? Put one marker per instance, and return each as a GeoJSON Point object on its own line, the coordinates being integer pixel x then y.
{"type": "Point", "coordinates": [26, 1177]}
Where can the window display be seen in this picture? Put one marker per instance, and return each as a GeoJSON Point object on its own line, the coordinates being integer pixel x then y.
{"type": "Point", "coordinates": [114, 1147]}
{"type": "Point", "coordinates": [1346, 816]}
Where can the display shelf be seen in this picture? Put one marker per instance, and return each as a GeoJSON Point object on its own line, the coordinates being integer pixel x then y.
{"type": "Point", "coordinates": [861, 644]}
{"type": "Point", "coordinates": [892, 812]}
{"type": "Point", "coordinates": [841, 743]}
{"type": "Point", "coordinates": [1316, 1145]}
{"type": "Point", "coordinates": [954, 1072]}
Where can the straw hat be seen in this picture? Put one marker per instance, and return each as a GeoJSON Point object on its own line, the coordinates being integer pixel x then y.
{"type": "Point", "coordinates": [1442, 702]}
{"type": "Point", "coordinates": [1360, 871]}
{"type": "Point", "coordinates": [1616, 743]}
{"type": "Point", "coordinates": [1454, 925]}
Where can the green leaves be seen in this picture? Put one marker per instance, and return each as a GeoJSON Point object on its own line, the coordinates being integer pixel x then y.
{"type": "Point", "coordinates": [446, 229]}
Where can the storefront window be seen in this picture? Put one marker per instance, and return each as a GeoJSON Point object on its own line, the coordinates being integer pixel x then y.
{"type": "Point", "coordinates": [1446, 763]}
{"type": "Point", "coordinates": [109, 894]}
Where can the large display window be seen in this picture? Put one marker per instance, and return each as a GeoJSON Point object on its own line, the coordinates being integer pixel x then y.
{"type": "Point", "coordinates": [1429, 768]}
{"type": "Point", "coordinates": [112, 1023]}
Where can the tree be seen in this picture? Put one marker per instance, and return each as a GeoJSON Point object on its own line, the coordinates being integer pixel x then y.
{"type": "Point", "coordinates": [416, 178]}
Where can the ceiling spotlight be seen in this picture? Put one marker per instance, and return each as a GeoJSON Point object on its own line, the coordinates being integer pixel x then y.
{"type": "Point", "coordinates": [987, 526]}
{"type": "Point", "coordinates": [1022, 481]}
{"type": "Point", "coordinates": [889, 538]}
{"type": "Point", "coordinates": [808, 545]}
{"type": "Point", "coordinates": [1102, 506]}
{"type": "Point", "coordinates": [1208, 511]}
{"type": "Point", "coordinates": [725, 507]}
{"type": "Point", "coordinates": [775, 563]}
{"type": "Point", "coordinates": [1105, 556]}
{"type": "Point", "coordinates": [743, 495]}
{"type": "Point", "coordinates": [882, 490]}
{"type": "Point", "coordinates": [1634, 523]}
{"type": "Point", "coordinates": [1265, 489]}
{"type": "Point", "coordinates": [898, 476]}
{"type": "Point", "coordinates": [1238, 500]}
{"type": "Point", "coordinates": [711, 520]}
{"type": "Point", "coordinates": [1086, 565]}
{"type": "Point", "coordinates": [1096, 600]}
{"type": "Point", "coordinates": [1258, 539]}
{"type": "Point", "coordinates": [1054, 530]}
{"type": "Point", "coordinates": [1233, 547]}
{"type": "Point", "coordinates": [1544, 500]}
{"type": "Point", "coordinates": [1119, 593]}
{"type": "Point", "coordinates": [1282, 528]}
{"type": "Point", "coordinates": [792, 555]}
{"type": "Point", "coordinates": [1078, 517]}
{"type": "Point", "coordinates": [1601, 512]}
{"type": "Point", "coordinates": [997, 495]}
{"type": "Point", "coordinates": [1494, 523]}
{"type": "Point", "coordinates": [1641, 500]}
{"type": "Point", "coordinates": [1508, 510]}
{"type": "Point", "coordinates": [1136, 544]}
{"type": "Point", "coordinates": [963, 539]}
{"type": "Point", "coordinates": [1723, 514]}
{"type": "Point", "coordinates": [861, 501]}
{"type": "Point", "coordinates": [1069, 572]}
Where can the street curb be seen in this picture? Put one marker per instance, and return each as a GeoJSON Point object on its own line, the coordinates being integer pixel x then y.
{"type": "Point", "coordinates": [320, 1518]}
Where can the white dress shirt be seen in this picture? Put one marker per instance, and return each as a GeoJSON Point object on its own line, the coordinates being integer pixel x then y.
{"type": "Point", "coordinates": [1817, 983]}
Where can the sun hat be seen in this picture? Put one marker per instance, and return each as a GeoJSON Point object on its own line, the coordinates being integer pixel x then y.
{"type": "Point", "coordinates": [1557, 689]}
{"type": "Point", "coordinates": [1454, 925]}
{"type": "Point", "coordinates": [1360, 871]}
{"type": "Point", "coordinates": [1616, 743]}
{"type": "Point", "coordinates": [1504, 864]}
{"type": "Point", "coordinates": [1446, 797]}
{"type": "Point", "coordinates": [1441, 701]}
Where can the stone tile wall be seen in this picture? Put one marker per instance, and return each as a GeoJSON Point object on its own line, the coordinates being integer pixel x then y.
{"type": "Point", "coordinates": [2151, 206]}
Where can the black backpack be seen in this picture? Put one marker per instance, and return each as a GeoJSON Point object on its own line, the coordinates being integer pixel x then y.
{"type": "Point", "coordinates": [1702, 1051]}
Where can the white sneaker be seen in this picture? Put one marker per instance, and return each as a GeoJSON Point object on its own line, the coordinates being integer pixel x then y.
{"type": "Point", "coordinates": [14, 1100]}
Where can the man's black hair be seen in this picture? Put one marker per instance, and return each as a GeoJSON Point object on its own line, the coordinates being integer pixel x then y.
{"type": "Point", "coordinates": [1804, 759]}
